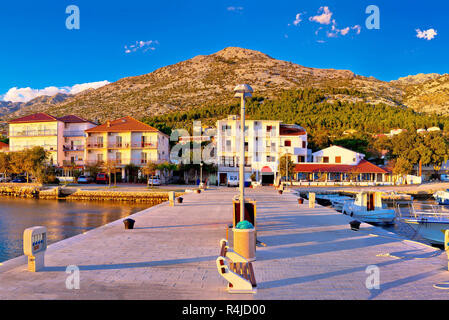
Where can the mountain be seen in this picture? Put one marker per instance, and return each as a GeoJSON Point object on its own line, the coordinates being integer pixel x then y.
{"type": "Point", "coordinates": [426, 93]}
{"type": "Point", "coordinates": [208, 80]}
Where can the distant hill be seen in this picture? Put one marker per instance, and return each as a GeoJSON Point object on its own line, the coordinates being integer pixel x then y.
{"type": "Point", "coordinates": [208, 80]}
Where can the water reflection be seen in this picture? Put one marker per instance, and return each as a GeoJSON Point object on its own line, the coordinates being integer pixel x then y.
{"type": "Point", "coordinates": [62, 219]}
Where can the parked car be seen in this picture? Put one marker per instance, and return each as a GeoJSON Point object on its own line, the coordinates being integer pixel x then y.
{"type": "Point", "coordinates": [19, 180]}
{"type": "Point", "coordinates": [4, 178]}
{"type": "Point", "coordinates": [102, 178]}
{"type": "Point", "coordinates": [233, 181]}
{"type": "Point", "coordinates": [444, 177]}
{"type": "Point", "coordinates": [154, 180]}
{"type": "Point", "coordinates": [85, 179]}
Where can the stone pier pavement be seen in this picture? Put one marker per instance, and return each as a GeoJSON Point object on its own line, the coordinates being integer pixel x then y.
{"type": "Point", "coordinates": [309, 254]}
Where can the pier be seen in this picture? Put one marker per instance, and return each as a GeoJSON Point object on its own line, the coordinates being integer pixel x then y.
{"type": "Point", "coordinates": [306, 254]}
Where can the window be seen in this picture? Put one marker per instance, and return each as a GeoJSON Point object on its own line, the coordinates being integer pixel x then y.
{"type": "Point", "coordinates": [287, 143]}
{"type": "Point", "coordinates": [301, 159]}
{"type": "Point", "coordinates": [325, 159]}
{"type": "Point", "coordinates": [304, 144]}
{"type": "Point", "coordinates": [337, 159]}
{"type": "Point", "coordinates": [269, 128]}
{"type": "Point", "coordinates": [100, 157]}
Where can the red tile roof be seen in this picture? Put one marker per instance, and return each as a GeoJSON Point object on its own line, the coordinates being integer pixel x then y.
{"type": "Point", "coordinates": [36, 117]}
{"type": "Point", "coordinates": [291, 130]}
{"type": "Point", "coordinates": [363, 167]}
{"type": "Point", "coordinates": [3, 145]}
{"type": "Point", "coordinates": [73, 119]}
{"type": "Point", "coordinates": [125, 124]}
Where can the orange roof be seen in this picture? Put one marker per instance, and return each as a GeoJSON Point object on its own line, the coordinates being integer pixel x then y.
{"type": "Point", "coordinates": [125, 124]}
{"type": "Point", "coordinates": [3, 145]}
{"type": "Point", "coordinates": [363, 167]}
{"type": "Point", "coordinates": [36, 117]}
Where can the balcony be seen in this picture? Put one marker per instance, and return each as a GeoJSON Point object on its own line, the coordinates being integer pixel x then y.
{"type": "Point", "coordinates": [127, 145]}
{"type": "Point", "coordinates": [73, 148]}
{"type": "Point", "coordinates": [33, 133]}
{"type": "Point", "coordinates": [69, 134]}
{"type": "Point", "coordinates": [120, 162]}
{"type": "Point", "coordinates": [70, 163]}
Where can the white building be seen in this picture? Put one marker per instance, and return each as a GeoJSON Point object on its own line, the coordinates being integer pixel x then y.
{"type": "Point", "coordinates": [337, 155]}
{"type": "Point", "coordinates": [265, 142]}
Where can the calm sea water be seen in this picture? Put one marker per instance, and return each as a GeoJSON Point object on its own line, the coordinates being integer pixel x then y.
{"type": "Point", "coordinates": [62, 219]}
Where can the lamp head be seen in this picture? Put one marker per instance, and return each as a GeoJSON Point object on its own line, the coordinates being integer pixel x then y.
{"type": "Point", "coordinates": [243, 89]}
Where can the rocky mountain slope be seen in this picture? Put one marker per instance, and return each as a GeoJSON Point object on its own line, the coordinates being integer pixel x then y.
{"type": "Point", "coordinates": [208, 80]}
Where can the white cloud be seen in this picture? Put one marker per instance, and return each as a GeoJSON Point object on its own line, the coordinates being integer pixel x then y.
{"type": "Point", "coordinates": [426, 34]}
{"type": "Point", "coordinates": [142, 45]}
{"type": "Point", "coordinates": [298, 19]}
{"type": "Point", "coordinates": [26, 94]}
{"type": "Point", "coordinates": [324, 18]}
{"type": "Point", "coordinates": [357, 28]}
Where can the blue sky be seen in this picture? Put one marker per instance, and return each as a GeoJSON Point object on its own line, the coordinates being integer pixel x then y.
{"type": "Point", "coordinates": [38, 51]}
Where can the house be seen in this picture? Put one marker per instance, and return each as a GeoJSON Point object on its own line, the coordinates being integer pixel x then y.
{"type": "Point", "coordinates": [266, 141]}
{"type": "Point", "coordinates": [125, 141]}
{"type": "Point", "coordinates": [338, 164]}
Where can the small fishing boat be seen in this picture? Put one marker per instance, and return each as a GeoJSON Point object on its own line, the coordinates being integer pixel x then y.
{"type": "Point", "coordinates": [368, 207]}
{"type": "Point", "coordinates": [442, 197]}
{"type": "Point", "coordinates": [429, 221]}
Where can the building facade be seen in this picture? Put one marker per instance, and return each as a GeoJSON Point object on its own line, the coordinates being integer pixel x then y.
{"type": "Point", "coordinates": [266, 141]}
{"type": "Point", "coordinates": [62, 138]}
{"type": "Point", "coordinates": [125, 141]}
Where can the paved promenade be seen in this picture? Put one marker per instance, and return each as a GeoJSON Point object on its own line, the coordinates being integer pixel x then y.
{"type": "Point", "coordinates": [309, 254]}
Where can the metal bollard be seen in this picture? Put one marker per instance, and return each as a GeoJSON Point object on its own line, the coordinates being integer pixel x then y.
{"type": "Point", "coordinates": [34, 246]}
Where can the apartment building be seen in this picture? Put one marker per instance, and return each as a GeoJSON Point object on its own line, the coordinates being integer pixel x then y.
{"type": "Point", "coordinates": [125, 141]}
{"type": "Point", "coordinates": [62, 138]}
{"type": "Point", "coordinates": [266, 141]}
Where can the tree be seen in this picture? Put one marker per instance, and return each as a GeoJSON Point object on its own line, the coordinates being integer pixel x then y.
{"type": "Point", "coordinates": [5, 165]}
{"type": "Point", "coordinates": [111, 168]}
{"type": "Point", "coordinates": [402, 167]}
{"type": "Point", "coordinates": [150, 170]}
{"type": "Point", "coordinates": [93, 169]}
{"type": "Point", "coordinates": [286, 162]}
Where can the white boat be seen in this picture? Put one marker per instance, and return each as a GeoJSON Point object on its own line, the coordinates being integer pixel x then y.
{"type": "Point", "coordinates": [339, 202]}
{"type": "Point", "coordinates": [442, 197]}
{"type": "Point", "coordinates": [429, 221]}
{"type": "Point", "coordinates": [368, 207]}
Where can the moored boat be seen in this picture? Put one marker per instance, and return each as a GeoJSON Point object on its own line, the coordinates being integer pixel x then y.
{"type": "Point", "coordinates": [368, 207]}
{"type": "Point", "coordinates": [442, 197]}
{"type": "Point", "coordinates": [429, 221]}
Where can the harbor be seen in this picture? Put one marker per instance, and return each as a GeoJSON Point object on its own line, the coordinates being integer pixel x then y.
{"type": "Point", "coordinates": [304, 253]}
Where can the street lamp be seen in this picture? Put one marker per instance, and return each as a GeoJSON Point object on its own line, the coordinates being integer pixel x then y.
{"type": "Point", "coordinates": [242, 91]}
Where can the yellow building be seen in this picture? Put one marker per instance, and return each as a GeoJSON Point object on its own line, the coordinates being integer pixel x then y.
{"type": "Point", "coordinates": [125, 141]}
{"type": "Point", "coordinates": [62, 137]}
{"type": "Point", "coordinates": [38, 129]}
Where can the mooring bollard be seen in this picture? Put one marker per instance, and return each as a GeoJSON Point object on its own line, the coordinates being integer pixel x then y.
{"type": "Point", "coordinates": [129, 223]}
{"type": "Point", "coordinates": [34, 246]}
{"type": "Point", "coordinates": [171, 198]}
{"type": "Point", "coordinates": [179, 199]}
{"type": "Point", "coordinates": [311, 200]}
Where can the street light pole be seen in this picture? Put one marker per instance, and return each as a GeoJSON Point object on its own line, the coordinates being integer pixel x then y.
{"type": "Point", "coordinates": [242, 159]}
{"type": "Point", "coordinates": [242, 91]}
{"type": "Point", "coordinates": [201, 174]}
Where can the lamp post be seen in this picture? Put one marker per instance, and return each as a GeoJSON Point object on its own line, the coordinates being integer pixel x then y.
{"type": "Point", "coordinates": [201, 174]}
{"type": "Point", "coordinates": [242, 91]}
